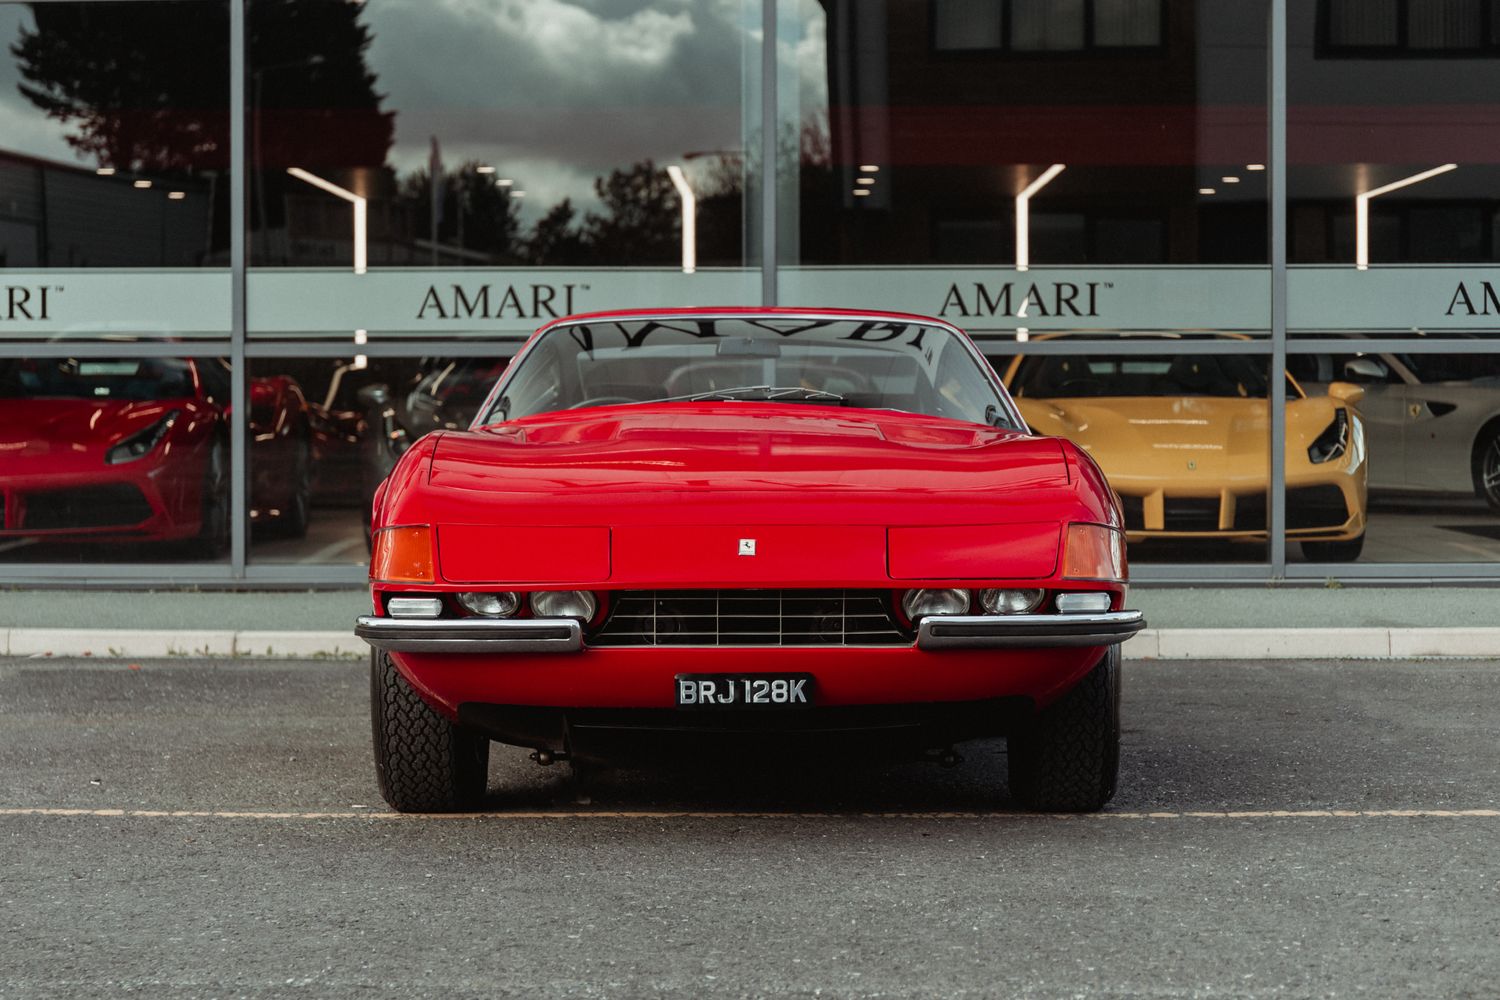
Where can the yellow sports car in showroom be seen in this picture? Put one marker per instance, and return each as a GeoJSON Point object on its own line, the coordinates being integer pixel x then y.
{"type": "Point", "coordinates": [1184, 440]}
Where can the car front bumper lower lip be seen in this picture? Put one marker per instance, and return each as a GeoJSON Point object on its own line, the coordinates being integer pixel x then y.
{"type": "Point", "coordinates": [564, 635]}
{"type": "Point", "coordinates": [1027, 631]}
{"type": "Point", "coordinates": [471, 635]}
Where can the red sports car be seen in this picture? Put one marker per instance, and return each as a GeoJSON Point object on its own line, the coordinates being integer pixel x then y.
{"type": "Point", "coordinates": [137, 449]}
{"type": "Point", "coordinates": [795, 524]}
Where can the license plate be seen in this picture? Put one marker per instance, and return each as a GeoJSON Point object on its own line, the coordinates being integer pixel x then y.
{"type": "Point", "coordinates": [744, 690]}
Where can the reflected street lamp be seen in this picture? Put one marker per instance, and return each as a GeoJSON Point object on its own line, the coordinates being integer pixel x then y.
{"type": "Point", "coordinates": [689, 219]}
{"type": "Point", "coordinates": [361, 257]}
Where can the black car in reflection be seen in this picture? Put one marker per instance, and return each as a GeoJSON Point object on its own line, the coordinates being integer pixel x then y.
{"type": "Point", "coordinates": [444, 394]}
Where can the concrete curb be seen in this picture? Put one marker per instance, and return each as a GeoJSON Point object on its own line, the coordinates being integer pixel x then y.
{"type": "Point", "coordinates": [1149, 644]}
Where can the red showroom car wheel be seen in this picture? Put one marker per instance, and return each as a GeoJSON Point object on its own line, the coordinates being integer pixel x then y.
{"type": "Point", "coordinates": [424, 763]}
{"type": "Point", "coordinates": [1065, 758]}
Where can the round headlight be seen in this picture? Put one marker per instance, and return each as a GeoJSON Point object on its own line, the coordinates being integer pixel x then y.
{"type": "Point", "coordinates": [1010, 602]}
{"type": "Point", "coordinates": [502, 604]}
{"type": "Point", "coordinates": [578, 604]}
{"type": "Point", "coordinates": [919, 604]}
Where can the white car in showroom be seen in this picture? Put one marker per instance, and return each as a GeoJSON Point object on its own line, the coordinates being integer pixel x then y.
{"type": "Point", "coordinates": [1432, 420]}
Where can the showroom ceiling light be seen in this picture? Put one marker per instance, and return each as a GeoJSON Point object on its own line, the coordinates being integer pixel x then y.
{"type": "Point", "coordinates": [1362, 210]}
{"type": "Point", "coordinates": [361, 252]}
{"type": "Point", "coordinates": [1023, 214]}
{"type": "Point", "coordinates": [1207, 191]}
{"type": "Point", "coordinates": [484, 168]}
{"type": "Point", "coordinates": [864, 180]}
{"type": "Point", "coordinates": [105, 171]}
{"type": "Point", "coordinates": [689, 219]}
{"type": "Point", "coordinates": [1229, 179]}
{"type": "Point", "coordinates": [861, 192]}
{"type": "Point", "coordinates": [1255, 166]}
{"type": "Point", "coordinates": [143, 184]}
{"type": "Point", "coordinates": [176, 195]}
{"type": "Point", "coordinates": [869, 168]}
{"type": "Point", "coordinates": [504, 182]}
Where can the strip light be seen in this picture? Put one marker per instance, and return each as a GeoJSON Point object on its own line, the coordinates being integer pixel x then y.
{"type": "Point", "coordinates": [1023, 214]}
{"type": "Point", "coordinates": [1362, 210]}
{"type": "Point", "coordinates": [689, 219]}
{"type": "Point", "coordinates": [361, 254]}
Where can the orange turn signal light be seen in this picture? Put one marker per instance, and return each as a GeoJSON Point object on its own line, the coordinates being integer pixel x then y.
{"type": "Point", "coordinates": [403, 555]}
{"type": "Point", "coordinates": [1094, 552]}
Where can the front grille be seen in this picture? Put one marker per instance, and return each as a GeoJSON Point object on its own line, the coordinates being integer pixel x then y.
{"type": "Point", "coordinates": [749, 618]}
{"type": "Point", "coordinates": [86, 507]}
{"type": "Point", "coordinates": [1190, 514]}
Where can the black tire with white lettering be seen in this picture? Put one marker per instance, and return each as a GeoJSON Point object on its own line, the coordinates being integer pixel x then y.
{"type": "Point", "coordinates": [1066, 757]}
{"type": "Point", "coordinates": [423, 762]}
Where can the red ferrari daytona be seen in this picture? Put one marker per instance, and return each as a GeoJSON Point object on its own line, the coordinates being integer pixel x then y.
{"type": "Point", "coordinates": [725, 523]}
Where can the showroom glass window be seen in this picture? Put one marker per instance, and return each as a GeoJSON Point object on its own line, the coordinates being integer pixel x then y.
{"type": "Point", "coordinates": [1393, 233]}
{"type": "Point", "coordinates": [114, 230]}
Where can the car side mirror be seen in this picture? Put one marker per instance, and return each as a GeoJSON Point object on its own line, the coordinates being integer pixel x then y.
{"type": "Point", "coordinates": [374, 395]}
{"type": "Point", "coordinates": [1345, 392]}
{"type": "Point", "coordinates": [1365, 370]}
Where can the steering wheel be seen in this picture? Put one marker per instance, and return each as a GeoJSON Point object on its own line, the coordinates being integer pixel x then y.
{"type": "Point", "coordinates": [602, 401]}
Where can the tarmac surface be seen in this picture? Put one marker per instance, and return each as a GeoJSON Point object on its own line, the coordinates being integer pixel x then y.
{"type": "Point", "coordinates": [212, 829]}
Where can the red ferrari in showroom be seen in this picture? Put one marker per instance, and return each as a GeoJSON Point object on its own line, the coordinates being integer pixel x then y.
{"type": "Point", "coordinates": [777, 524]}
{"type": "Point", "coordinates": [137, 450]}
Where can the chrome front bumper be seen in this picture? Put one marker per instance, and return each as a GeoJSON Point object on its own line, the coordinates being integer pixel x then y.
{"type": "Point", "coordinates": [1027, 631]}
{"type": "Point", "coordinates": [471, 635]}
{"type": "Point", "coordinates": [564, 635]}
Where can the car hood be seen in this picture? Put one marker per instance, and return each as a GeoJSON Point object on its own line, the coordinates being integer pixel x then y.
{"type": "Point", "coordinates": [644, 452]}
{"type": "Point", "coordinates": [1207, 439]}
{"type": "Point", "coordinates": [39, 427]}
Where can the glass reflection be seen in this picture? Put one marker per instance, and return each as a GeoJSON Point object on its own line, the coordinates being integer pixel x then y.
{"type": "Point", "coordinates": [548, 134]}
{"type": "Point", "coordinates": [111, 459]}
{"type": "Point", "coordinates": [1019, 132]}
{"type": "Point", "coordinates": [363, 413]}
{"type": "Point", "coordinates": [1432, 423]}
{"type": "Point", "coordinates": [115, 147]}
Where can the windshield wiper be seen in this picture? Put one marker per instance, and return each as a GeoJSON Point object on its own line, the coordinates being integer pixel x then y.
{"type": "Point", "coordinates": [770, 392]}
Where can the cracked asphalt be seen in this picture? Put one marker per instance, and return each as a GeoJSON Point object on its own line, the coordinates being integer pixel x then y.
{"type": "Point", "coordinates": [212, 829]}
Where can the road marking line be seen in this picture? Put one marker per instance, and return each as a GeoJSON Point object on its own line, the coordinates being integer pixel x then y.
{"type": "Point", "coordinates": [710, 814]}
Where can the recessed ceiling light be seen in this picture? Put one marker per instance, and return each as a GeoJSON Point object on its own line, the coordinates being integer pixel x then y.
{"type": "Point", "coordinates": [504, 182]}
{"type": "Point", "coordinates": [1230, 180]}
{"type": "Point", "coordinates": [517, 194]}
{"type": "Point", "coordinates": [176, 195]}
{"type": "Point", "coordinates": [1255, 166]}
{"type": "Point", "coordinates": [1205, 190]}
{"type": "Point", "coordinates": [105, 171]}
{"type": "Point", "coordinates": [861, 192]}
{"type": "Point", "coordinates": [869, 168]}
{"type": "Point", "coordinates": [143, 184]}
{"type": "Point", "coordinates": [864, 180]}
{"type": "Point", "coordinates": [484, 169]}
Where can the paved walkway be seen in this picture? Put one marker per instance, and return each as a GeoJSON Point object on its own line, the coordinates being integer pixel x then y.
{"type": "Point", "coordinates": [1224, 622]}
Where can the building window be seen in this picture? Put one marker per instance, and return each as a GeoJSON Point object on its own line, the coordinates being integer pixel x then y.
{"type": "Point", "coordinates": [1046, 25]}
{"type": "Point", "coordinates": [1409, 27]}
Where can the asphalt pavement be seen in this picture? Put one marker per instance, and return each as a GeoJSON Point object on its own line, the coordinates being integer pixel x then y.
{"type": "Point", "coordinates": [211, 829]}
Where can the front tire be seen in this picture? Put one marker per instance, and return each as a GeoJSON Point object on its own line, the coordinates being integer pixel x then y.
{"type": "Point", "coordinates": [423, 762]}
{"type": "Point", "coordinates": [1346, 551]}
{"type": "Point", "coordinates": [1067, 757]}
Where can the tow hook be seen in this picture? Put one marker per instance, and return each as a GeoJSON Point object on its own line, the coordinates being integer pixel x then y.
{"type": "Point", "coordinates": [547, 758]}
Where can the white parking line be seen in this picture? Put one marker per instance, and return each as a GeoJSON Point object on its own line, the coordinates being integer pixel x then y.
{"type": "Point", "coordinates": [713, 814]}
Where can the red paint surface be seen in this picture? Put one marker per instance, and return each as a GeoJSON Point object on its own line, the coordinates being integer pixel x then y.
{"type": "Point", "coordinates": [521, 553]}
{"type": "Point", "coordinates": [974, 551]}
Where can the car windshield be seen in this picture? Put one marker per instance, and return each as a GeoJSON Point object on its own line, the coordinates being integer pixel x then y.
{"type": "Point", "coordinates": [1050, 377]}
{"type": "Point", "coordinates": [134, 379]}
{"type": "Point", "coordinates": [865, 363]}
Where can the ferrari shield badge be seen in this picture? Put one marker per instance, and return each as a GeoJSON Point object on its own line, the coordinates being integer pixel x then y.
{"type": "Point", "coordinates": [747, 546]}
